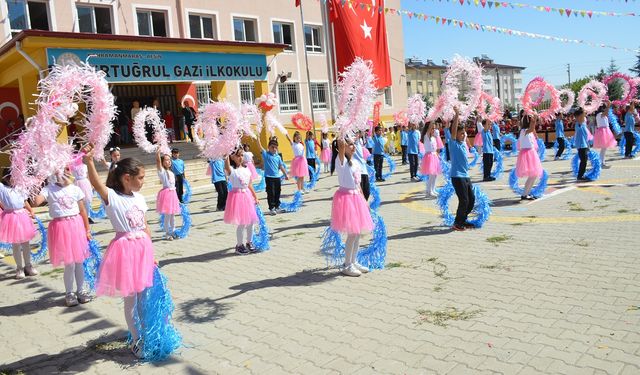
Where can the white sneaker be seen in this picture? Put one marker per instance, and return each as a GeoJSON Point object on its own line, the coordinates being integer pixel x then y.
{"type": "Point", "coordinates": [30, 270]}
{"type": "Point", "coordinates": [19, 274]}
{"type": "Point", "coordinates": [136, 349]}
{"type": "Point", "coordinates": [361, 268]}
{"type": "Point", "coordinates": [280, 210]}
{"type": "Point", "coordinates": [434, 194]}
{"type": "Point", "coordinates": [351, 270]}
{"type": "Point", "coordinates": [1, 254]}
{"type": "Point", "coordinates": [84, 297]}
{"type": "Point", "coordinates": [272, 212]}
{"type": "Point", "coordinates": [71, 300]}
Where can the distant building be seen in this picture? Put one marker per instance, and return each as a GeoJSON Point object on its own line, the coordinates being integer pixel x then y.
{"type": "Point", "coordinates": [424, 78]}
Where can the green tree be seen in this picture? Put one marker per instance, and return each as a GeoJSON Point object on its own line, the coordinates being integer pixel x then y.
{"type": "Point", "coordinates": [615, 87]}
{"type": "Point", "coordinates": [636, 66]}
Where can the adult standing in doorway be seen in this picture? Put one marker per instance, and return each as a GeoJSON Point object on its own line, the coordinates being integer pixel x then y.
{"type": "Point", "coordinates": [189, 115]}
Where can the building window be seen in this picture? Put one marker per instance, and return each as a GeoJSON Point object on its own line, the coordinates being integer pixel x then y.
{"type": "Point", "coordinates": [152, 23]}
{"type": "Point", "coordinates": [313, 38]}
{"type": "Point", "coordinates": [518, 91]}
{"type": "Point", "coordinates": [283, 34]}
{"type": "Point", "coordinates": [288, 94]}
{"type": "Point", "coordinates": [96, 20]}
{"type": "Point", "coordinates": [202, 26]}
{"type": "Point", "coordinates": [28, 15]}
{"type": "Point", "coordinates": [247, 92]}
{"type": "Point", "coordinates": [244, 30]}
{"type": "Point", "coordinates": [388, 101]}
{"type": "Point", "coordinates": [203, 92]}
{"type": "Point", "coordinates": [319, 93]}
{"type": "Point", "coordinates": [517, 81]}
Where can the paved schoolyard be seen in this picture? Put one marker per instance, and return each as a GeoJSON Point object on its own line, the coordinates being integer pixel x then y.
{"type": "Point", "coordinates": [551, 286]}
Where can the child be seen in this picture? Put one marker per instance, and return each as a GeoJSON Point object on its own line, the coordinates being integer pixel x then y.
{"type": "Point", "coordinates": [559, 127]}
{"type": "Point", "coordinates": [368, 142]}
{"type": "Point", "coordinates": [629, 128]}
{"type": "Point", "coordinates": [17, 226]}
{"type": "Point", "coordinates": [477, 140]}
{"type": "Point", "coordinates": [460, 174]}
{"type": "Point", "coordinates": [349, 211]}
{"type": "Point", "coordinates": [114, 153]}
{"type": "Point", "coordinates": [80, 180]}
{"type": "Point", "coordinates": [581, 141]}
{"type": "Point", "coordinates": [247, 160]}
{"type": "Point", "coordinates": [177, 167]}
{"type": "Point", "coordinates": [128, 264]}
{"type": "Point", "coordinates": [603, 138]}
{"type": "Point", "coordinates": [430, 161]}
{"type": "Point", "coordinates": [68, 233]}
{"type": "Point", "coordinates": [495, 133]}
{"type": "Point", "coordinates": [436, 133]}
{"type": "Point", "coordinates": [413, 138]}
{"type": "Point", "coordinates": [528, 163]}
{"type": "Point", "coordinates": [447, 139]}
{"type": "Point", "coordinates": [325, 152]}
{"type": "Point", "coordinates": [168, 124]}
{"type": "Point", "coordinates": [359, 161]}
{"type": "Point", "coordinates": [487, 150]}
{"type": "Point", "coordinates": [310, 145]}
{"type": "Point", "coordinates": [334, 152]}
{"type": "Point", "coordinates": [219, 181]}
{"type": "Point", "coordinates": [299, 166]}
{"type": "Point", "coordinates": [273, 167]}
{"type": "Point", "coordinates": [378, 152]}
{"type": "Point", "coordinates": [241, 210]}
{"type": "Point", "coordinates": [167, 202]}
{"type": "Point", "coordinates": [392, 142]}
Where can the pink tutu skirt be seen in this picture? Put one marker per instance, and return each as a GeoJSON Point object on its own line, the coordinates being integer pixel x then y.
{"type": "Point", "coordinates": [86, 188]}
{"type": "Point", "coordinates": [127, 267]}
{"type": "Point", "coordinates": [240, 208]}
{"type": "Point", "coordinates": [167, 202]}
{"type": "Point", "coordinates": [477, 140]}
{"type": "Point", "coordinates": [528, 164]}
{"type": "Point", "coordinates": [67, 241]}
{"type": "Point", "coordinates": [430, 164]}
{"type": "Point", "coordinates": [299, 167]}
{"type": "Point", "coordinates": [365, 153]}
{"type": "Point", "coordinates": [254, 174]}
{"type": "Point", "coordinates": [604, 139]}
{"type": "Point", "coordinates": [421, 148]}
{"type": "Point", "coordinates": [17, 227]}
{"type": "Point", "coordinates": [439, 144]}
{"type": "Point", "coordinates": [350, 212]}
{"type": "Point", "coordinates": [325, 155]}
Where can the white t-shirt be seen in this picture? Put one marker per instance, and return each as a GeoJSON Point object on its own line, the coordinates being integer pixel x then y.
{"type": "Point", "coordinates": [429, 144]}
{"type": "Point", "coordinates": [326, 144]}
{"type": "Point", "coordinates": [602, 120]}
{"type": "Point", "coordinates": [80, 172]}
{"type": "Point", "coordinates": [134, 112]}
{"type": "Point", "coordinates": [10, 198]}
{"type": "Point", "coordinates": [298, 149]}
{"type": "Point", "coordinates": [126, 212]}
{"type": "Point", "coordinates": [526, 140]}
{"type": "Point", "coordinates": [348, 175]}
{"type": "Point", "coordinates": [240, 178]}
{"type": "Point", "coordinates": [63, 201]}
{"type": "Point", "coordinates": [167, 178]}
{"type": "Point", "coordinates": [480, 127]}
{"type": "Point", "coordinates": [247, 157]}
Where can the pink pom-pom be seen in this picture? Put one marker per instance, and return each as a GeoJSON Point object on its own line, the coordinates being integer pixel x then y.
{"type": "Point", "coordinates": [592, 95]}
{"type": "Point", "coordinates": [324, 124]}
{"type": "Point", "coordinates": [401, 118]}
{"type": "Point", "coordinates": [250, 115]}
{"type": "Point", "coordinates": [220, 125]}
{"type": "Point", "coordinates": [149, 114]}
{"type": "Point", "coordinates": [537, 88]}
{"type": "Point", "coordinates": [355, 93]}
{"type": "Point", "coordinates": [302, 122]}
{"type": "Point", "coordinates": [495, 107]}
{"type": "Point", "coordinates": [571, 99]}
{"type": "Point", "coordinates": [462, 72]}
{"type": "Point", "coordinates": [416, 109]}
{"type": "Point", "coordinates": [629, 88]}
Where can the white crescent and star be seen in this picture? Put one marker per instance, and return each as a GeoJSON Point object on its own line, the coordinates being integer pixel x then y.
{"type": "Point", "coordinates": [366, 29]}
{"type": "Point", "coordinates": [9, 105]}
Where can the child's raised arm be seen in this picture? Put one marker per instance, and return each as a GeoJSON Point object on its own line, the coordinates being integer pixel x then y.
{"type": "Point", "coordinates": [94, 178]}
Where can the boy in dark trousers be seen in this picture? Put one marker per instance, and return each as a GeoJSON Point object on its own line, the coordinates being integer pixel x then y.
{"type": "Point", "coordinates": [219, 180]}
{"type": "Point", "coordinates": [177, 167]}
{"type": "Point", "coordinates": [378, 152]}
{"type": "Point", "coordinates": [273, 167]}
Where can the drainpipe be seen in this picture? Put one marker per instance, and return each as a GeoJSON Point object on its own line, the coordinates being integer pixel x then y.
{"type": "Point", "coordinates": [29, 59]}
{"type": "Point", "coordinates": [180, 14]}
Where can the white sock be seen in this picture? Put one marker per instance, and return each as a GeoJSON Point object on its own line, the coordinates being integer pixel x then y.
{"type": "Point", "coordinates": [79, 276]}
{"type": "Point", "coordinates": [433, 179]}
{"type": "Point", "coordinates": [129, 306]}
{"type": "Point", "coordinates": [603, 153]}
{"type": "Point", "coordinates": [529, 185]}
{"type": "Point", "coordinates": [26, 254]}
{"type": "Point", "coordinates": [69, 271]}
{"type": "Point", "coordinates": [239, 233]}
{"type": "Point", "coordinates": [249, 229]}
{"type": "Point", "coordinates": [17, 255]}
{"type": "Point", "coordinates": [356, 245]}
{"type": "Point", "coordinates": [348, 249]}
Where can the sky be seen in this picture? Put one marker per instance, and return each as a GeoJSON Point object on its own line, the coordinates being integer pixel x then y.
{"type": "Point", "coordinates": [548, 59]}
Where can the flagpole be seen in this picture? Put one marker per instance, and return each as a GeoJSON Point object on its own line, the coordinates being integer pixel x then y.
{"type": "Point", "coordinates": [324, 6]}
{"type": "Point", "coordinates": [306, 60]}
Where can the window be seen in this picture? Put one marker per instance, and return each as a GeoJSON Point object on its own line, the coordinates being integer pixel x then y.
{"type": "Point", "coordinates": [313, 38]}
{"type": "Point", "coordinates": [388, 101]}
{"type": "Point", "coordinates": [319, 94]}
{"type": "Point", "coordinates": [203, 92]}
{"type": "Point", "coordinates": [247, 92]}
{"type": "Point", "coordinates": [151, 23]}
{"type": "Point", "coordinates": [95, 20]}
{"type": "Point", "coordinates": [244, 30]}
{"type": "Point", "coordinates": [518, 91]}
{"type": "Point", "coordinates": [517, 81]}
{"type": "Point", "coordinates": [288, 94]}
{"type": "Point", "coordinates": [28, 15]}
{"type": "Point", "coordinates": [202, 26]}
{"type": "Point", "coordinates": [487, 81]}
{"type": "Point", "coordinates": [283, 34]}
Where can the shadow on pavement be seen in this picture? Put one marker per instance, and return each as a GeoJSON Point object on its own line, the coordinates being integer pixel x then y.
{"type": "Point", "coordinates": [433, 230]}
{"type": "Point", "coordinates": [202, 310]}
{"type": "Point", "coordinates": [206, 257]}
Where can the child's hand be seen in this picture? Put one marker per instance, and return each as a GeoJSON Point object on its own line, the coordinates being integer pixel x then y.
{"type": "Point", "coordinates": [286, 177]}
{"type": "Point", "coordinates": [88, 153]}
{"type": "Point", "coordinates": [89, 237]}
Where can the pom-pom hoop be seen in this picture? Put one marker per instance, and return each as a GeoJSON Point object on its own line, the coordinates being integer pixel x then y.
{"type": "Point", "coordinates": [355, 95]}
{"type": "Point", "coordinates": [636, 147]}
{"type": "Point", "coordinates": [542, 149]}
{"type": "Point", "coordinates": [614, 122]}
{"type": "Point", "coordinates": [629, 89]}
{"type": "Point", "coordinates": [568, 148]}
{"type": "Point", "coordinates": [540, 87]}
{"type": "Point", "coordinates": [571, 99]}
{"type": "Point", "coordinates": [591, 96]}
{"type": "Point", "coordinates": [149, 114]}
{"type": "Point", "coordinates": [219, 123]}
{"type": "Point", "coordinates": [260, 238]}
{"type": "Point", "coordinates": [498, 164]}
{"type": "Point", "coordinates": [453, 80]}
{"type": "Point", "coordinates": [476, 156]}
{"type": "Point", "coordinates": [537, 191]}
{"type": "Point", "coordinates": [416, 109]}
{"type": "Point", "coordinates": [514, 144]}
{"type": "Point", "coordinates": [495, 107]}
{"type": "Point", "coordinates": [481, 208]}
{"type": "Point", "coordinates": [302, 122]}
{"type": "Point", "coordinates": [594, 159]}
{"type": "Point", "coordinates": [401, 118]}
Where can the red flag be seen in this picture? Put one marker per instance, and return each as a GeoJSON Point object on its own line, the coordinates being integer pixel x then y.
{"type": "Point", "coordinates": [298, 3]}
{"type": "Point", "coordinates": [360, 31]}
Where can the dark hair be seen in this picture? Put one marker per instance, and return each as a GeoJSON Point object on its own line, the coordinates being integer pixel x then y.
{"type": "Point", "coordinates": [460, 127]}
{"type": "Point", "coordinates": [525, 122]}
{"type": "Point", "coordinates": [175, 151]}
{"type": "Point", "coordinates": [273, 142]}
{"type": "Point", "coordinates": [378, 127]}
{"type": "Point", "coordinates": [578, 111]}
{"type": "Point", "coordinates": [130, 166]}
{"type": "Point", "coordinates": [6, 176]}
{"type": "Point", "coordinates": [235, 165]}
{"type": "Point", "coordinates": [424, 131]}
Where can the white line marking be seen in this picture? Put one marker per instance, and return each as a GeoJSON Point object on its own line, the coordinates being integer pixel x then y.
{"type": "Point", "coordinates": [557, 192]}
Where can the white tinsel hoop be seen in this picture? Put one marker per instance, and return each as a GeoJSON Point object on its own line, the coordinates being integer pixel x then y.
{"type": "Point", "coordinates": [160, 137]}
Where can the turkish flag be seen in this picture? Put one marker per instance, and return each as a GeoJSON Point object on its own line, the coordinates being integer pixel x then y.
{"type": "Point", "coordinates": [360, 30]}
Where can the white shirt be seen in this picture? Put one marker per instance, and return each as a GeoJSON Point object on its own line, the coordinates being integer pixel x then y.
{"type": "Point", "coordinates": [348, 175]}
{"type": "Point", "coordinates": [62, 201]}
{"type": "Point", "coordinates": [247, 157]}
{"type": "Point", "coordinates": [298, 149]}
{"type": "Point", "coordinates": [479, 127]}
{"type": "Point", "coordinates": [526, 140]}
{"type": "Point", "coordinates": [167, 178]}
{"type": "Point", "coordinates": [134, 112]}
{"type": "Point", "coordinates": [602, 120]}
{"type": "Point", "coordinates": [10, 198]}
{"type": "Point", "coordinates": [326, 144]}
{"type": "Point", "coordinates": [429, 144]}
{"type": "Point", "coordinates": [126, 212]}
{"type": "Point", "coordinates": [240, 178]}
{"type": "Point", "coordinates": [80, 172]}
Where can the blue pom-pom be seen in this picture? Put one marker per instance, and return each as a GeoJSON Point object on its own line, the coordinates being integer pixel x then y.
{"type": "Point", "coordinates": [568, 149]}
{"type": "Point", "coordinates": [374, 255]}
{"type": "Point", "coordinates": [286, 170]}
{"type": "Point", "coordinates": [91, 265]}
{"type": "Point", "coordinates": [159, 336]}
{"type": "Point", "coordinates": [261, 239]}
{"type": "Point", "coordinates": [262, 185]}
{"type": "Point", "coordinates": [42, 251]}
{"type": "Point", "coordinates": [314, 176]}
{"type": "Point", "coordinates": [186, 197]}
{"type": "Point", "coordinates": [594, 159]}
{"type": "Point", "coordinates": [373, 190]}
{"type": "Point", "coordinates": [183, 231]}
{"type": "Point", "coordinates": [444, 195]}
{"type": "Point", "coordinates": [636, 147]}
{"type": "Point", "coordinates": [476, 156]}
{"type": "Point", "coordinates": [537, 191]}
{"type": "Point", "coordinates": [332, 247]}
{"type": "Point", "coordinates": [498, 163]}
{"type": "Point", "coordinates": [481, 208]}
{"type": "Point", "coordinates": [4, 245]}
{"type": "Point", "coordinates": [446, 168]}
{"type": "Point", "coordinates": [613, 121]}
{"type": "Point", "coordinates": [392, 166]}
{"type": "Point", "coordinates": [542, 148]}
{"type": "Point", "coordinates": [295, 204]}
{"type": "Point", "coordinates": [511, 139]}
{"type": "Point", "coordinates": [101, 213]}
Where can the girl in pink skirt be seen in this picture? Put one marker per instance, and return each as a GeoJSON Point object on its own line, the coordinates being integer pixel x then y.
{"type": "Point", "coordinates": [299, 165]}
{"type": "Point", "coordinates": [436, 133]}
{"type": "Point", "coordinates": [167, 202]}
{"type": "Point", "coordinates": [17, 226]}
{"type": "Point", "coordinates": [430, 165]}
{"type": "Point", "coordinates": [603, 138]}
{"type": "Point", "coordinates": [477, 140]}
{"type": "Point", "coordinates": [325, 152]}
{"type": "Point", "coordinates": [528, 164]}
{"type": "Point", "coordinates": [68, 233]}
{"type": "Point", "coordinates": [247, 159]}
{"type": "Point", "coordinates": [241, 202]}
{"type": "Point", "coordinates": [128, 264]}
{"type": "Point", "coordinates": [349, 211]}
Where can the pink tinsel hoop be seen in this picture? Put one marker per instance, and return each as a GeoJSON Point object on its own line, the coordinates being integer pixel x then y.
{"type": "Point", "coordinates": [462, 72]}
{"type": "Point", "coordinates": [149, 114]}
{"type": "Point", "coordinates": [324, 124]}
{"type": "Point", "coordinates": [629, 89]}
{"type": "Point", "coordinates": [221, 128]}
{"type": "Point", "coordinates": [592, 95]}
{"type": "Point", "coordinates": [535, 89]}
{"type": "Point", "coordinates": [355, 94]}
{"type": "Point", "coordinates": [250, 115]}
{"type": "Point", "coordinates": [495, 107]}
{"type": "Point", "coordinates": [302, 122]}
{"type": "Point", "coordinates": [416, 109]}
{"type": "Point", "coordinates": [571, 99]}
{"type": "Point", "coordinates": [401, 118]}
